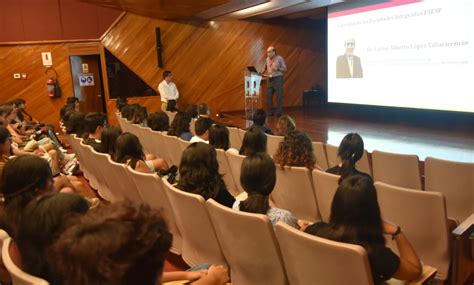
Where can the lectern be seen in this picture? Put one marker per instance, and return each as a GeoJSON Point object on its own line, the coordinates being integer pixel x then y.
{"type": "Point", "coordinates": [252, 93]}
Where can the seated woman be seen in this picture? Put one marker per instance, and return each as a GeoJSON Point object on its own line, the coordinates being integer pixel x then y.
{"type": "Point", "coordinates": [355, 218]}
{"type": "Point", "coordinates": [159, 122]}
{"type": "Point", "coordinates": [258, 178]}
{"type": "Point", "coordinates": [140, 115]}
{"type": "Point", "coordinates": [76, 125]}
{"type": "Point", "coordinates": [180, 126]}
{"type": "Point", "coordinates": [129, 150]}
{"type": "Point", "coordinates": [255, 140]}
{"type": "Point", "coordinates": [42, 221]}
{"type": "Point", "coordinates": [107, 140]}
{"type": "Point", "coordinates": [121, 243]}
{"type": "Point", "coordinates": [199, 174]}
{"type": "Point", "coordinates": [350, 151]}
{"type": "Point", "coordinates": [219, 137]}
{"type": "Point", "coordinates": [296, 149]}
{"type": "Point", "coordinates": [285, 124]}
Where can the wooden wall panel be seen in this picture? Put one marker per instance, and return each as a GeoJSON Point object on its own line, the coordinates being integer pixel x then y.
{"type": "Point", "coordinates": [27, 59]}
{"type": "Point", "coordinates": [11, 21]}
{"type": "Point", "coordinates": [208, 60]}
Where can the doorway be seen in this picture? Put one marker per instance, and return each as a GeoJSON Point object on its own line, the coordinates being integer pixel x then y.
{"type": "Point", "coordinates": [87, 79]}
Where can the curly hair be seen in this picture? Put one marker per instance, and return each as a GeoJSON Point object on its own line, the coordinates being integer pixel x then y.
{"type": "Point", "coordinates": [296, 149]}
{"type": "Point", "coordinates": [199, 171]}
{"type": "Point", "coordinates": [122, 243]}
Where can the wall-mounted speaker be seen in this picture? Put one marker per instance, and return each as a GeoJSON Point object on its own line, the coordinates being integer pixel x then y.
{"type": "Point", "coordinates": [159, 47]}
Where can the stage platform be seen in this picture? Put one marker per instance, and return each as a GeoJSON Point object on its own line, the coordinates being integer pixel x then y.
{"type": "Point", "coordinates": [444, 135]}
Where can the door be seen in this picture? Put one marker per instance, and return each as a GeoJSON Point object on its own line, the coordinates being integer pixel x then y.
{"type": "Point", "coordinates": [87, 79]}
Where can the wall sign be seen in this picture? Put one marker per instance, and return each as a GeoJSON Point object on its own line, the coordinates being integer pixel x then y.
{"type": "Point", "coordinates": [86, 79]}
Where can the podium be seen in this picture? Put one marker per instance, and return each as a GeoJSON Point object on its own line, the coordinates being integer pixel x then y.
{"type": "Point", "coordinates": [252, 94]}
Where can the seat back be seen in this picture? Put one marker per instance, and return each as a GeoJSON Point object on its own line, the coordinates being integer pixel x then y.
{"type": "Point", "coordinates": [120, 182]}
{"type": "Point", "coordinates": [456, 181]}
{"type": "Point", "coordinates": [173, 148]}
{"type": "Point", "coordinates": [423, 219]}
{"type": "Point", "coordinates": [294, 192]}
{"type": "Point", "coordinates": [331, 151]}
{"type": "Point", "coordinates": [396, 169]}
{"type": "Point", "coordinates": [88, 165]}
{"type": "Point", "coordinates": [234, 138]}
{"type": "Point", "coordinates": [145, 138]}
{"type": "Point", "coordinates": [158, 146]}
{"type": "Point", "coordinates": [273, 142]}
{"type": "Point", "coordinates": [242, 134]}
{"type": "Point", "coordinates": [235, 163]}
{"type": "Point", "coordinates": [249, 245]}
{"type": "Point", "coordinates": [199, 240]}
{"type": "Point", "coordinates": [151, 189]}
{"type": "Point", "coordinates": [320, 154]}
{"type": "Point", "coordinates": [183, 144]}
{"type": "Point", "coordinates": [224, 170]}
{"type": "Point", "coordinates": [101, 162]}
{"type": "Point", "coordinates": [19, 277]}
{"type": "Point", "coordinates": [314, 260]}
{"type": "Point", "coordinates": [325, 186]}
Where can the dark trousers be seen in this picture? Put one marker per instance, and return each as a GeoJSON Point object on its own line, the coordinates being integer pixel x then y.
{"type": "Point", "coordinates": [275, 84]}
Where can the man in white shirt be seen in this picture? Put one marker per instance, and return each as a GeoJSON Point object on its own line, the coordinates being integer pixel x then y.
{"type": "Point", "coordinates": [202, 130]}
{"type": "Point", "coordinates": [167, 90]}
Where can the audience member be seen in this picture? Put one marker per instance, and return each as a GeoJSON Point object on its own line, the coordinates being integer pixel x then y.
{"type": "Point", "coordinates": [258, 178]}
{"type": "Point", "coordinates": [159, 122]}
{"type": "Point", "coordinates": [199, 174]}
{"type": "Point", "coordinates": [203, 110]}
{"type": "Point", "coordinates": [192, 110]}
{"type": "Point", "coordinates": [355, 218]}
{"type": "Point", "coordinates": [296, 149]}
{"type": "Point", "coordinates": [219, 137]}
{"type": "Point", "coordinates": [202, 130]}
{"type": "Point", "coordinates": [41, 223]}
{"type": "Point", "coordinates": [107, 140]}
{"type": "Point", "coordinates": [129, 150]}
{"type": "Point", "coordinates": [254, 141]}
{"type": "Point", "coordinates": [121, 243]}
{"type": "Point", "coordinates": [285, 124]}
{"type": "Point", "coordinates": [180, 126]}
{"type": "Point", "coordinates": [95, 123]}
{"type": "Point", "coordinates": [350, 151]}
{"type": "Point", "coordinates": [76, 125]}
{"type": "Point", "coordinates": [259, 119]}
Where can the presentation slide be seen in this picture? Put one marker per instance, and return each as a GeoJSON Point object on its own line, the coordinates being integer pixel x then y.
{"type": "Point", "coordinates": [402, 53]}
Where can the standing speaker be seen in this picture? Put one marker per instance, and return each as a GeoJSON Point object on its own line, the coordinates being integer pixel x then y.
{"type": "Point", "coordinates": [159, 47]}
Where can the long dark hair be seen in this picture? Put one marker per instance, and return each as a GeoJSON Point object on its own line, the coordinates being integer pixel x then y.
{"type": "Point", "coordinates": [128, 147]}
{"type": "Point", "coordinates": [180, 124]}
{"type": "Point", "coordinates": [40, 225]}
{"type": "Point", "coordinates": [254, 141]}
{"type": "Point", "coordinates": [258, 178]}
{"type": "Point", "coordinates": [108, 138]}
{"type": "Point", "coordinates": [76, 124]}
{"type": "Point", "coordinates": [355, 213]}
{"type": "Point", "coordinates": [159, 121]}
{"type": "Point", "coordinates": [219, 137]}
{"type": "Point", "coordinates": [23, 178]}
{"type": "Point", "coordinates": [199, 171]}
{"type": "Point", "coordinates": [350, 151]}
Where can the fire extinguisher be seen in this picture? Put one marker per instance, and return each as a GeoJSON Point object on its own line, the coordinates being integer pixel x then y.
{"type": "Point", "coordinates": [52, 84]}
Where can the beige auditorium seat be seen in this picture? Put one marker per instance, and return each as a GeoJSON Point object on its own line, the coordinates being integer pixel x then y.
{"type": "Point", "coordinates": [80, 150]}
{"type": "Point", "coordinates": [134, 129]}
{"type": "Point", "coordinates": [320, 154]}
{"type": "Point", "coordinates": [294, 192]}
{"type": "Point", "coordinates": [224, 170]}
{"type": "Point", "coordinates": [273, 142]}
{"type": "Point", "coordinates": [249, 245]}
{"type": "Point", "coordinates": [422, 217]}
{"type": "Point", "coordinates": [101, 162]}
{"type": "Point", "coordinates": [120, 182]}
{"type": "Point", "coordinates": [183, 144]}
{"type": "Point", "coordinates": [199, 240]}
{"type": "Point", "coordinates": [126, 126]}
{"type": "Point", "coordinates": [19, 277]}
{"type": "Point", "coordinates": [151, 189]}
{"type": "Point", "coordinates": [234, 138]}
{"type": "Point", "coordinates": [325, 187]}
{"type": "Point", "coordinates": [158, 146]}
{"type": "Point", "coordinates": [89, 166]}
{"type": "Point", "coordinates": [235, 163]}
{"type": "Point", "coordinates": [144, 135]}
{"type": "Point", "coordinates": [314, 260]}
{"type": "Point", "coordinates": [396, 169]}
{"type": "Point", "coordinates": [242, 134]}
{"type": "Point", "coordinates": [456, 181]}
{"type": "Point", "coordinates": [173, 148]}
{"type": "Point", "coordinates": [362, 165]}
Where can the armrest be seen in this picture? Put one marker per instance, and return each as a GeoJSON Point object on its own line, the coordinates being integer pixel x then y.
{"type": "Point", "coordinates": [465, 227]}
{"type": "Point", "coordinates": [427, 274]}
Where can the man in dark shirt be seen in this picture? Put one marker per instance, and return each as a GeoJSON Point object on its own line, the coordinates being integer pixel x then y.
{"type": "Point", "coordinates": [95, 122]}
{"type": "Point", "coordinates": [259, 119]}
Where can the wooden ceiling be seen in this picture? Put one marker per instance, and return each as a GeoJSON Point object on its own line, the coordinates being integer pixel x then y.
{"type": "Point", "coordinates": [221, 9]}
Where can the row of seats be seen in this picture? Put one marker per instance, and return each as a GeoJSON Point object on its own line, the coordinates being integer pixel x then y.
{"type": "Point", "coordinates": [194, 227]}
{"type": "Point", "coordinates": [454, 179]}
